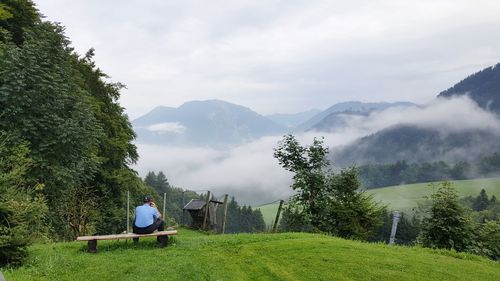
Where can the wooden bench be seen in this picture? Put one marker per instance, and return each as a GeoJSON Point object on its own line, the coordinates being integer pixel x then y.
{"type": "Point", "coordinates": [92, 240]}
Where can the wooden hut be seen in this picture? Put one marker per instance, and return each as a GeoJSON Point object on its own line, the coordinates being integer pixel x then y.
{"type": "Point", "coordinates": [198, 208]}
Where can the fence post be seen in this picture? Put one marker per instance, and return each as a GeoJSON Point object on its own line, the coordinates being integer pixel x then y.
{"type": "Point", "coordinates": [183, 212]}
{"type": "Point", "coordinates": [164, 206]}
{"type": "Point", "coordinates": [225, 215]}
{"type": "Point", "coordinates": [395, 220]}
{"type": "Point", "coordinates": [128, 211]}
{"type": "Point", "coordinates": [207, 206]}
{"type": "Point", "coordinates": [275, 227]}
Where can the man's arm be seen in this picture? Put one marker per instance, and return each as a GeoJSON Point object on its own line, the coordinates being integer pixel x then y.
{"type": "Point", "coordinates": [158, 214]}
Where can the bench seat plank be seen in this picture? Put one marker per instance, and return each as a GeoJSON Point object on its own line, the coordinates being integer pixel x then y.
{"type": "Point", "coordinates": [125, 236]}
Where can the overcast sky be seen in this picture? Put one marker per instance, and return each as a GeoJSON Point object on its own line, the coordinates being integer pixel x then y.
{"type": "Point", "coordinates": [281, 56]}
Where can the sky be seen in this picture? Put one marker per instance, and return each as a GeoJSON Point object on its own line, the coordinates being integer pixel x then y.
{"type": "Point", "coordinates": [281, 56]}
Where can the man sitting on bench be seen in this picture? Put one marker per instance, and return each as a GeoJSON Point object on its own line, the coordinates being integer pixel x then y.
{"type": "Point", "coordinates": [147, 219]}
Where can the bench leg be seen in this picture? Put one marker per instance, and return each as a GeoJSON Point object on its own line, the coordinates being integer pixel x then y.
{"type": "Point", "coordinates": [163, 240]}
{"type": "Point", "coordinates": [136, 240]}
{"type": "Point", "coordinates": [92, 244]}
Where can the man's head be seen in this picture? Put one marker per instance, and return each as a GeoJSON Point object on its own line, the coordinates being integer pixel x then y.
{"type": "Point", "coordinates": [147, 199]}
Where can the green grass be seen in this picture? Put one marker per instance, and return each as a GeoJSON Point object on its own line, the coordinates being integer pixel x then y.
{"type": "Point", "coordinates": [407, 197]}
{"type": "Point", "coordinates": [288, 256]}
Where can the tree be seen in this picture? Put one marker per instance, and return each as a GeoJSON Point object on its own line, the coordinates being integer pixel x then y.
{"type": "Point", "coordinates": [62, 107]}
{"type": "Point", "coordinates": [23, 209]}
{"type": "Point", "coordinates": [329, 202]}
{"type": "Point", "coordinates": [481, 202]}
{"type": "Point", "coordinates": [489, 237]}
{"type": "Point", "coordinates": [242, 218]}
{"type": "Point", "coordinates": [448, 224]}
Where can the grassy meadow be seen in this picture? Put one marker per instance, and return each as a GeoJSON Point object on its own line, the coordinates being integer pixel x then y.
{"type": "Point", "coordinates": [287, 256]}
{"type": "Point", "coordinates": [408, 196]}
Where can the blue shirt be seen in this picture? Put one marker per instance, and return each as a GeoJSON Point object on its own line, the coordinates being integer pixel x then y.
{"type": "Point", "coordinates": [145, 215]}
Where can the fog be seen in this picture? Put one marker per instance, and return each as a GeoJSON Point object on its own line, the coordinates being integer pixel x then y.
{"type": "Point", "coordinates": [251, 174]}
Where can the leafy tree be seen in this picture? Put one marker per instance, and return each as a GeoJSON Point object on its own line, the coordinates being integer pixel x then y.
{"type": "Point", "coordinates": [61, 106]}
{"type": "Point", "coordinates": [448, 224]}
{"type": "Point", "coordinates": [329, 202]}
{"type": "Point", "coordinates": [489, 238]}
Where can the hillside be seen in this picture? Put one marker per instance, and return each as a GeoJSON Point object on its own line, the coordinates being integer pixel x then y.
{"type": "Point", "coordinates": [407, 142]}
{"type": "Point", "coordinates": [351, 106]}
{"type": "Point", "coordinates": [406, 197]}
{"type": "Point", "coordinates": [203, 123]}
{"type": "Point", "coordinates": [294, 119]}
{"type": "Point", "coordinates": [417, 144]}
{"type": "Point", "coordinates": [483, 87]}
{"type": "Point", "coordinates": [288, 256]}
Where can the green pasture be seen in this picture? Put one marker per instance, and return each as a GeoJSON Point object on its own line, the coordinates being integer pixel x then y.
{"type": "Point", "coordinates": [287, 256]}
{"type": "Point", "coordinates": [406, 197]}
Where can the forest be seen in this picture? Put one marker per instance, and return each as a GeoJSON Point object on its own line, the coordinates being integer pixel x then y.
{"type": "Point", "coordinates": [402, 172]}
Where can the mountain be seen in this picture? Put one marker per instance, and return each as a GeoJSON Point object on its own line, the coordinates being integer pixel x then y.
{"type": "Point", "coordinates": [293, 120]}
{"type": "Point", "coordinates": [483, 87]}
{"type": "Point", "coordinates": [203, 123]}
{"type": "Point", "coordinates": [415, 144]}
{"type": "Point", "coordinates": [352, 107]}
{"type": "Point", "coordinates": [336, 120]}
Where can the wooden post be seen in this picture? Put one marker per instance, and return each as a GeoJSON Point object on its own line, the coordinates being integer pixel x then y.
{"type": "Point", "coordinates": [128, 211]}
{"type": "Point", "coordinates": [395, 220]}
{"type": "Point", "coordinates": [207, 205]}
{"type": "Point", "coordinates": [225, 215]}
{"type": "Point", "coordinates": [183, 211]}
{"type": "Point", "coordinates": [92, 246]}
{"type": "Point", "coordinates": [164, 205]}
{"type": "Point", "coordinates": [275, 227]}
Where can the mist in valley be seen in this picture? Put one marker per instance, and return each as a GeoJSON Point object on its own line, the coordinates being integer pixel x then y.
{"type": "Point", "coordinates": [251, 174]}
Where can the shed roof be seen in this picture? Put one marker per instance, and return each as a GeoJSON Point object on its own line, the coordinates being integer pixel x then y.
{"type": "Point", "coordinates": [195, 204]}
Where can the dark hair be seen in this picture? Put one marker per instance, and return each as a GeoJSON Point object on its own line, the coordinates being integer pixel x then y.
{"type": "Point", "coordinates": [147, 199]}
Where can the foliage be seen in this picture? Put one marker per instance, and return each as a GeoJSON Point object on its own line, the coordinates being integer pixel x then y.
{"type": "Point", "coordinates": [488, 236]}
{"type": "Point", "coordinates": [22, 209]}
{"type": "Point", "coordinates": [448, 225]}
{"type": "Point", "coordinates": [62, 107]}
{"type": "Point", "coordinates": [329, 202]}
{"type": "Point", "coordinates": [294, 219]}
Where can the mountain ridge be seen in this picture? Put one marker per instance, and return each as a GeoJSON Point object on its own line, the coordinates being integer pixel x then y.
{"type": "Point", "coordinates": [203, 123]}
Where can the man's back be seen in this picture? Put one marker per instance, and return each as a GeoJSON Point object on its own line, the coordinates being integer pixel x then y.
{"type": "Point", "coordinates": [145, 215]}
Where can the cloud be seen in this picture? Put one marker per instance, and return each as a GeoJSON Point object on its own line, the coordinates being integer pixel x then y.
{"type": "Point", "coordinates": [283, 56]}
{"type": "Point", "coordinates": [446, 115]}
{"type": "Point", "coordinates": [250, 172]}
{"type": "Point", "coordinates": [167, 127]}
